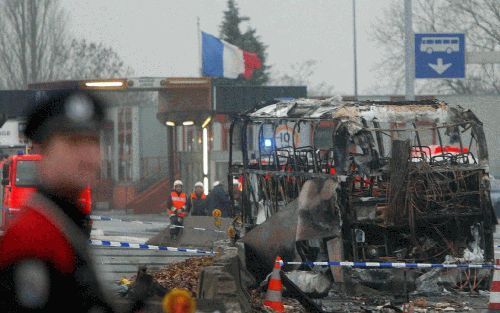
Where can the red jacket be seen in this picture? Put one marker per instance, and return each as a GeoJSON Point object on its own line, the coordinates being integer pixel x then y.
{"type": "Point", "coordinates": [44, 254]}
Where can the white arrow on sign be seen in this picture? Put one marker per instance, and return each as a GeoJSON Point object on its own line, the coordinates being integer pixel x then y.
{"type": "Point", "coordinates": [439, 67]}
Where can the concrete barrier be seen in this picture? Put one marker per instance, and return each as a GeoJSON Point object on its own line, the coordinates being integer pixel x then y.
{"type": "Point", "coordinates": [226, 281]}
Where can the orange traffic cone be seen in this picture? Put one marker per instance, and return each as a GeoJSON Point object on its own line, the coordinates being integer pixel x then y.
{"type": "Point", "coordinates": [494, 305]}
{"type": "Point", "coordinates": [274, 288]}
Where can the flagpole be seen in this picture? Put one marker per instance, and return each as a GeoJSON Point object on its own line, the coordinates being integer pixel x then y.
{"type": "Point", "coordinates": [200, 70]}
{"type": "Point", "coordinates": [354, 45]}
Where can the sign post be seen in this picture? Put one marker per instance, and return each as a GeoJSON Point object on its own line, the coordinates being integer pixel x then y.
{"type": "Point", "coordinates": [439, 55]}
{"type": "Point", "coordinates": [409, 59]}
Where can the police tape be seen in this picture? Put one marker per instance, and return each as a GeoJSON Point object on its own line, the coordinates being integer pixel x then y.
{"type": "Point", "coordinates": [197, 228]}
{"type": "Point", "coordinates": [109, 218]}
{"type": "Point", "coordinates": [392, 264]}
{"type": "Point", "coordinates": [121, 244]}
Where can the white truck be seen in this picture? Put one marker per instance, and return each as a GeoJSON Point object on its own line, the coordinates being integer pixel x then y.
{"type": "Point", "coordinates": [12, 140]}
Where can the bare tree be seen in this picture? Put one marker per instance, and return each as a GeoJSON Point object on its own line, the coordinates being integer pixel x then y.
{"type": "Point", "coordinates": [32, 41]}
{"type": "Point", "coordinates": [300, 74]}
{"type": "Point", "coordinates": [481, 22]}
{"type": "Point", "coordinates": [35, 47]}
{"type": "Point", "coordinates": [478, 19]}
{"type": "Point", "coordinates": [87, 60]}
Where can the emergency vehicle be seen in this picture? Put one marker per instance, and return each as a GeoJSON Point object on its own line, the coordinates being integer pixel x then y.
{"type": "Point", "coordinates": [12, 139]}
{"type": "Point", "coordinates": [19, 182]}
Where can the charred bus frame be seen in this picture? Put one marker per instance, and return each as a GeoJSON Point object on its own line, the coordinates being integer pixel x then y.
{"type": "Point", "coordinates": [412, 177]}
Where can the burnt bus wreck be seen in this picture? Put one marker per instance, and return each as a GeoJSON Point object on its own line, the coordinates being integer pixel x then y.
{"type": "Point", "coordinates": [363, 181]}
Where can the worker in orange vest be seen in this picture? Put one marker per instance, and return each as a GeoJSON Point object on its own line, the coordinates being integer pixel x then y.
{"type": "Point", "coordinates": [197, 203]}
{"type": "Point", "coordinates": [176, 203]}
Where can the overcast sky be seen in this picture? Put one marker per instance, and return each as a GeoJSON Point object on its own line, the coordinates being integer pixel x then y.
{"type": "Point", "coordinates": [159, 37]}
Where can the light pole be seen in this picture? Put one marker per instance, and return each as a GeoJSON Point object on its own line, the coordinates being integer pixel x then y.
{"type": "Point", "coordinates": [205, 158]}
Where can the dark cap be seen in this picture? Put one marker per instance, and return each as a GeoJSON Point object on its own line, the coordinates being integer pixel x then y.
{"type": "Point", "coordinates": [64, 112]}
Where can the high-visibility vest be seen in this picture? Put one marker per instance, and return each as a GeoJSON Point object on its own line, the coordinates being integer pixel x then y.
{"type": "Point", "coordinates": [194, 197]}
{"type": "Point", "coordinates": [178, 200]}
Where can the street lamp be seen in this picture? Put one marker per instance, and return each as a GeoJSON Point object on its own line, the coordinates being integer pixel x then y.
{"type": "Point", "coordinates": [205, 158]}
{"type": "Point", "coordinates": [104, 84]}
{"type": "Point", "coordinates": [206, 122]}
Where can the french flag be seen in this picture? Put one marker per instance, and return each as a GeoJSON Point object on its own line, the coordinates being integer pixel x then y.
{"type": "Point", "coordinates": [222, 59]}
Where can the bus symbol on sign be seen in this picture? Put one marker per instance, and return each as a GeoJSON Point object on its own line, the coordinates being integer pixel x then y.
{"type": "Point", "coordinates": [439, 55]}
{"type": "Point", "coordinates": [440, 44]}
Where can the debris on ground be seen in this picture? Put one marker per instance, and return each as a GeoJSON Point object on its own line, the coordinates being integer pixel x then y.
{"type": "Point", "coordinates": [443, 281]}
{"type": "Point", "coordinates": [450, 303]}
{"type": "Point", "coordinates": [183, 274]}
{"type": "Point", "coordinates": [436, 280]}
{"type": "Point", "coordinates": [310, 282]}
{"type": "Point", "coordinates": [143, 286]}
{"type": "Point", "coordinates": [424, 306]}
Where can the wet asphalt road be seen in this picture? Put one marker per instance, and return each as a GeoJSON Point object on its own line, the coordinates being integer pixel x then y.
{"type": "Point", "coordinates": [116, 263]}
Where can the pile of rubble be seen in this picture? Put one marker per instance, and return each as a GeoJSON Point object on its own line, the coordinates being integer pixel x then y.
{"type": "Point", "coordinates": [183, 274]}
{"type": "Point", "coordinates": [451, 302]}
{"type": "Point", "coordinates": [145, 283]}
{"type": "Point", "coordinates": [424, 305]}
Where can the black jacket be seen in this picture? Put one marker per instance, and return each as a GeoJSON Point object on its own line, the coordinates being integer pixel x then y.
{"type": "Point", "coordinates": [219, 199]}
{"type": "Point", "coordinates": [198, 206]}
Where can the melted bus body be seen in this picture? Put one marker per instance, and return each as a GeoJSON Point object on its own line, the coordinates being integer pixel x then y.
{"type": "Point", "coordinates": [363, 181]}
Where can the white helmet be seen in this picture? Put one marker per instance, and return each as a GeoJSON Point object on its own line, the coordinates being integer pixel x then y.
{"type": "Point", "coordinates": [178, 182]}
{"type": "Point", "coordinates": [198, 184]}
{"type": "Point", "coordinates": [216, 183]}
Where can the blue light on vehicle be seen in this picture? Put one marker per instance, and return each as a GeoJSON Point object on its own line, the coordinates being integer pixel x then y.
{"type": "Point", "coordinates": [268, 143]}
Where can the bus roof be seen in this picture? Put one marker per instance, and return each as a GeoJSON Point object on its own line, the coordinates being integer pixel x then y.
{"type": "Point", "coordinates": [336, 109]}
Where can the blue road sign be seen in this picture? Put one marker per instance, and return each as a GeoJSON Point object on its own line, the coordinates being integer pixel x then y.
{"type": "Point", "coordinates": [439, 55]}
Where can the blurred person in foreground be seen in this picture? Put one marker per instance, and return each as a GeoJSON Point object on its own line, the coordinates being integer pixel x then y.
{"type": "Point", "coordinates": [45, 264]}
